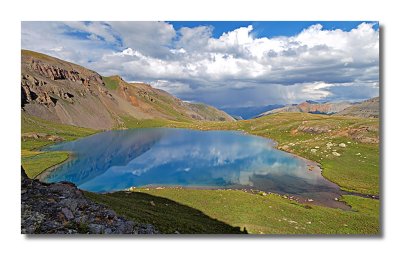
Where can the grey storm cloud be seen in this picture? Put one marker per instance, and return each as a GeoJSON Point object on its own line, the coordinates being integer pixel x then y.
{"type": "Point", "coordinates": [234, 69]}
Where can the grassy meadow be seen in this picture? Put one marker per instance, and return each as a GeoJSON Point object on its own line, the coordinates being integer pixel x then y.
{"type": "Point", "coordinates": [171, 209]}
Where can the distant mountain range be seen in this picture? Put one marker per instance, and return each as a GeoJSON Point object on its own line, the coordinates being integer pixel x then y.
{"type": "Point", "coordinates": [311, 107]}
{"type": "Point", "coordinates": [67, 93]}
{"type": "Point", "coordinates": [366, 109]}
{"type": "Point", "coordinates": [250, 111]}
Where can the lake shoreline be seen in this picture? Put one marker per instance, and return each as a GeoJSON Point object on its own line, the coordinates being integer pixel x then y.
{"type": "Point", "coordinates": [311, 166]}
{"type": "Point", "coordinates": [42, 176]}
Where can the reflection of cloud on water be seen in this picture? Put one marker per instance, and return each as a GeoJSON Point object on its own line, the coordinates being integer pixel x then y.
{"type": "Point", "coordinates": [200, 154]}
{"type": "Point", "coordinates": [208, 159]}
{"type": "Point", "coordinates": [193, 155]}
{"type": "Point", "coordinates": [97, 153]}
{"type": "Point", "coordinates": [120, 159]}
{"type": "Point", "coordinates": [245, 176]}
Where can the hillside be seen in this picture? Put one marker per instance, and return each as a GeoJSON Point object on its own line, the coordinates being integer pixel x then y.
{"type": "Point", "coordinates": [63, 92]}
{"type": "Point", "coordinates": [311, 107]}
{"type": "Point", "coordinates": [366, 109]}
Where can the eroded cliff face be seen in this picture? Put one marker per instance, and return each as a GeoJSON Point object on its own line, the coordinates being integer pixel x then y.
{"type": "Point", "coordinates": [63, 92]}
{"type": "Point", "coordinates": [59, 91]}
{"type": "Point", "coordinates": [61, 208]}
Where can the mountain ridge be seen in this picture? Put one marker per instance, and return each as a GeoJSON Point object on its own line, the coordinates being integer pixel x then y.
{"type": "Point", "coordinates": [311, 107]}
{"type": "Point", "coordinates": [67, 93]}
{"type": "Point", "coordinates": [365, 109]}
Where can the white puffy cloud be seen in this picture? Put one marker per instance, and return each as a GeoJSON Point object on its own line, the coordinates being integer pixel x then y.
{"type": "Point", "coordinates": [150, 38]}
{"type": "Point", "coordinates": [236, 68]}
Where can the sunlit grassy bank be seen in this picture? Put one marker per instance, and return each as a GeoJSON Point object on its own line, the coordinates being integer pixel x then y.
{"type": "Point", "coordinates": [270, 214]}
{"type": "Point", "coordinates": [36, 133]}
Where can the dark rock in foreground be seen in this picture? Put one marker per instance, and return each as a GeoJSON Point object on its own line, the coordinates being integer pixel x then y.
{"type": "Point", "coordinates": [61, 208]}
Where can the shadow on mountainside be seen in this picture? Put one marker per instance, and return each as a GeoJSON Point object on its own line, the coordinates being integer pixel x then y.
{"type": "Point", "coordinates": [166, 215]}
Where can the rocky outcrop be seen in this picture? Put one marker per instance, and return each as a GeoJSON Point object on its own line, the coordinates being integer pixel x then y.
{"type": "Point", "coordinates": [54, 72]}
{"type": "Point", "coordinates": [61, 208]}
{"type": "Point", "coordinates": [31, 92]}
{"type": "Point", "coordinates": [313, 129]}
{"type": "Point", "coordinates": [33, 135]}
{"type": "Point", "coordinates": [363, 134]}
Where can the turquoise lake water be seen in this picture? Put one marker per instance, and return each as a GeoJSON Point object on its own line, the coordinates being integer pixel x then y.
{"type": "Point", "coordinates": [116, 160]}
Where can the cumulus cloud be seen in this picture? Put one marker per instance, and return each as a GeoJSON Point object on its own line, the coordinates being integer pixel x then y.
{"type": "Point", "coordinates": [236, 68]}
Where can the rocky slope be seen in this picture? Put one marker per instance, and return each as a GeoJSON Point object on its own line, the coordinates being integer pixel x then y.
{"type": "Point", "coordinates": [67, 93]}
{"type": "Point", "coordinates": [61, 208]}
{"type": "Point", "coordinates": [311, 107]}
{"type": "Point", "coordinates": [366, 109]}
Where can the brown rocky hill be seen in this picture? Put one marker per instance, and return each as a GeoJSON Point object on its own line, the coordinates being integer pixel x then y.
{"type": "Point", "coordinates": [67, 93]}
{"type": "Point", "coordinates": [311, 107]}
{"type": "Point", "coordinates": [366, 109]}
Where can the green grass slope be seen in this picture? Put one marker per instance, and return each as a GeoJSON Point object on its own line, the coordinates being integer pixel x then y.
{"type": "Point", "coordinates": [111, 82]}
{"type": "Point", "coordinates": [35, 162]}
{"type": "Point", "coordinates": [271, 214]}
{"type": "Point", "coordinates": [168, 215]}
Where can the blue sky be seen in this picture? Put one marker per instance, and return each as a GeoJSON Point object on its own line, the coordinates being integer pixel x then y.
{"type": "Point", "coordinates": [225, 64]}
{"type": "Point", "coordinates": [270, 28]}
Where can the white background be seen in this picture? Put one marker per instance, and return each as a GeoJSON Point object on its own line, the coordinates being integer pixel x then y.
{"type": "Point", "coordinates": [12, 12]}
